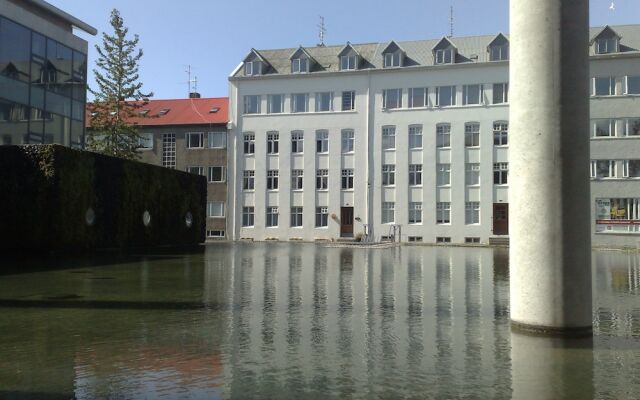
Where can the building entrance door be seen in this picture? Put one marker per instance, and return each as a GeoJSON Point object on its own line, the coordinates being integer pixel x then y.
{"type": "Point", "coordinates": [500, 218]}
{"type": "Point", "coordinates": [346, 221]}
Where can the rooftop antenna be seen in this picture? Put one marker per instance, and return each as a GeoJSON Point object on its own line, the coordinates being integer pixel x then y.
{"type": "Point", "coordinates": [612, 7]}
{"type": "Point", "coordinates": [322, 31]}
{"type": "Point", "coordinates": [191, 81]}
{"type": "Point", "coordinates": [451, 21]}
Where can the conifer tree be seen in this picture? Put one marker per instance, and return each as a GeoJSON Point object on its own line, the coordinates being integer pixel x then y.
{"type": "Point", "coordinates": [118, 96]}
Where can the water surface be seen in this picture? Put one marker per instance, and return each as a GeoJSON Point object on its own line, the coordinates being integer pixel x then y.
{"type": "Point", "coordinates": [305, 321]}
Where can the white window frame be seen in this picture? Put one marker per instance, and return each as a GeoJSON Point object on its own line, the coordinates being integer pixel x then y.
{"type": "Point", "coordinates": [611, 169]}
{"type": "Point", "coordinates": [350, 64]}
{"type": "Point", "coordinates": [195, 170]}
{"type": "Point", "coordinates": [388, 137]}
{"type": "Point", "coordinates": [319, 96]}
{"type": "Point", "coordinates": [439, 96]}
{"type": "Point", "coordinates": [211, 209]}
{"type": "Point", "coordinates": [248, 179]}
{"type": "Point", "coordinates": [499, 52]}
{"type": "Point", "coordinates": [300, 65]}
{"type": "Point", "coordinates": [346, 183]}
{"type": "Point", "coordinates": [626, 85]}
{"type": "Point", "coordinates": [415, 136]}
{"type": "Point", "coordinates": [502, 169]}
{"type": "Point", "coordinates": [271, 217]}
{"type": "Point", "coordinates": [223, 174]}
{"type": "Point", "coordinates": [415, 213]}
{"type": "Point", "coordinates": [322, 179]}
{"type": "Point", "coordinates": [273, 142]}
{"type": "Point", "coordinates": [465, 94]}
{"type": "Point", "coordinates": [415, 174]}
{"type": "Point", "coordinates": [472, 174]}
{"type": "Point", "coordinates": [297, 217]}
{"type": "Point", "coordinates": [500, 93]}
{"type": "Point", "coordinates": [612, 85]}
{"type": "Point", "coordinates": [297, 179]}
{"type": "Point", "coordinates": [472, 213]}
{"type": "Point", "coordinates": [199, 143]}
{"type": "Point", "coordinates": [271, 103]}
{"type": "Point", "coordinates": [443, 213]}
{"type": "Point", "coordinates": [145, 140]}
{"type": "Point", "coordinates": [248, 216]}
{"type": "Point", "coordinates": [348, 140]}
{"type": "Point", "coordinates": [322, 141]}
{"type": "Point", "coordinates": [348, 98]}
{"type": "Point", "coordinates": [388, 175]}
{"type": "Point", "coordinates": [217, 144]}
{"type": "Point", "coordinates": [295, 103]}
{"type": "Point", "coordinates": [444, 56]}
{"type": "Point", "coordinates": [297, 142]}
{"type": "Point", "coordinates": [249, 143]}
{"type": "Point", "coordinates": [628, 125]}
{"type": "Point", "coordinates": [606, 41]}
{"type": "Point", "coordinates": [627, 169]}
{"type": "Point", "coordinates": [392, 59]}
{"type": "Point", "coordinates": [424, 97]}
{"type": "Point", "coordinates": [253, 68]}
{"type": "Point", "coordinates": [472, 134]}
{"type": "Point", "coordinates": [388, 214]}
{"type": "Point", "coordinates": [249, 104]}
{"type": "Point", "coordinates": [322, 217]}
{"type": "Point", "coordinates": [272, 179]}
{"type": "Point", "coordinates": [598, 132]}
{"type": "Point", "coordinates": [443, 174]}
{"type": "Point", "coordinates": [385, 99]}
{"type": "Point", "coordinates": [443, 135]}
{"type": "Point", "coordinates": [501, 133]}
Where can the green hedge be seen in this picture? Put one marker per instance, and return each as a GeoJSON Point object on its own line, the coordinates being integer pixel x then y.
{"type": "Point", "coordinates": [48, 190]}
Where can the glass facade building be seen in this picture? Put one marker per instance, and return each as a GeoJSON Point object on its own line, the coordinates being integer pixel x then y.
{"type": "Point", "coordinates": [42, 88]}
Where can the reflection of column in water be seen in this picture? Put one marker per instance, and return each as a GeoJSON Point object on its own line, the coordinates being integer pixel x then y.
{"type": "Point", "coordinates": [414, 315]}
{"type": "Point", "coordinates": [444, 305]}
{"type": "Point", "coordinates": [472, 331]}
{"type": "Point", "coordinates": [388, 369]}
{"type": "Point", "coordinates": [269, 303]}
{"type": "Point", "coordinates": [345, 323]}
{"type": "Point", "coordinates": [551, 368]}
{"type": "Point", "coordinates": [318, 323]}
{"type": "Point", "coordinates": [501, 324]}
{"type": "Point", "coordinates": [370, 315]}
{"type": "Point", "coordinates": [295, 376]}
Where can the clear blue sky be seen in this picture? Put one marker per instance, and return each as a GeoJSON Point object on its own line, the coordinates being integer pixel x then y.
{"type": "Point", "coordinates": [213, 36]}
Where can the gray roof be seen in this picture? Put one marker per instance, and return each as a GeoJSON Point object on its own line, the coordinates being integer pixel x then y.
{"type": "Point", "coordinates": [418, 52]}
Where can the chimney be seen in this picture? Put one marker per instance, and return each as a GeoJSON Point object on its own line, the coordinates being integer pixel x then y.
{"type": "Point", "coordinates": [194, 95]}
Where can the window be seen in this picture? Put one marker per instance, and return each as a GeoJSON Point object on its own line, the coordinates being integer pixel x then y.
{"type": "Point", "coordinates": [195, 140]}
{"type": "Point", "coordinates": [322, 179]}
{"type": "Point", "coordinates": [299, 65]}
{"type": "Point", "coordinates": [472, 94]}
{"type": "Point", "coordinates": [324, 101]}
{"type": "Point", "coordinates": [296, 216]}
{"type": "Point", "coordinates": [443, 174]}
{"type": "Point", "coordinates": [252, 104]}
{"type": "Point", "coordinates": [215, 209]}
{"type": "Point", "coordinates": [247, 216]}
{"type": "Point", "coordinates": [472, 240]}
{"type": "Point", "coordinates": [297, 142]}
{"type": "Point", "coordinates": [388, 175]}
{"type": "Point", "coordinates": [273, 139]}
{"type": "Point", "coordinates": [500, 173]}
{"type": "Point", "coordinates": [472, 134]}
{"type": "Point", "coordinates": [631, 169]}
{"type": "Point", "coordinates": [347, 179]}
{"type": "Point", "coordinates": [417, 97]}
{"type": "Point", "coordinates": [299, 102]}
{"type": "Point", "coordinates": [445, 96]}
{"type": "Point", "coordinates": [272, 217]}
{"type": "Point", "coordinates": [472, 212]}
{"type": "Point", "coordinates": [215, 234]}
{"type": "Point", "coordinates": [388, 137]}
{"type": "Point", "coordinates": [348, 62]}
{"type": "Point", "coordinates": [169, 150]}
{"type": "Point", "coordinates": [296, 179]}
{"type": "Point", "coordinates": [443, 135]}
{"type": "Point", "coordinates": [272, 179]}
{"type": "Point", "coordinates": [195, 170]}
{"type": "Point", "coordinates": [443, 239]}
{"type": "Point", "coordinates": [606, 45]}
{"type": "Point", "coordinates": [472, 174]}
{"type": "Point", "coordinates": [347, 140]}
{"type": "Point", "coordinates": [604, 169]}
{"type": "Point", "coordinates": [443, 212]}
{"type": "Point", "coordinates": [413, 239]}
{"type": "Point", "coordinates": [444, 56]}
{"type": "Point", "coordinates": [604, 127]}
{"type": "Point", "coordinates": [348, 100]}
{"type": "Point", "coordinates": [633, 85]}
{"type": "Point", "coordinates": [322, 217]}
{"type": "Point", "coordinates": [252, 68]}
{"type": "Point", "coordinates": [391, 98]}
{"type": "Point", "coordinates": [604, 86]}
{"type": "Point", "coordinates": [500, 131]}
{"type": "Point", "coordinates": [499, 53]}
{"type": "Point", "coordinates": [145, 140]}
{"type": "Point", "coordinates": [275, 103]}
{"type": "Point", "coordinates": [217, 140]}
{"type": "Point", "coordinates": [415, 213]}
{"type": "Point", "coordinates": [632, 127]}
{"type": "Point", "coordinates": [322, 141]}
{"type": "Point", "coordinates": [388, 212]}
{"type": "Point", "coordinates": [248, 177]}
{"type": "Point", "coordinates": [500, 93]}
{"type": "Point", "coordinates": [217, 174]}
{"type": "Point", "coordinates": [249, 143]}
{"type": "Point", "coordinates": [415, 174]}
{"type": "Point", "coordinates": [415, 136]}
{"type": "Point", "coordinates": [392, 59]}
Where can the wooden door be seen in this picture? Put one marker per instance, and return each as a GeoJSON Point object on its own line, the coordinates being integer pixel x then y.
{"type": "Point", "coordinates": [346, 221]}
{"type": "Point", "coordinates": [500, 218]}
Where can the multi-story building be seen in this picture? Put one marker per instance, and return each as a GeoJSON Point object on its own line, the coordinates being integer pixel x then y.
{"type": "Point", "coordinates": [43, 74]}
{"type": "Point", "coordinates": [331, 141]}
{"type": "Point", "coordinates": [190, 135]}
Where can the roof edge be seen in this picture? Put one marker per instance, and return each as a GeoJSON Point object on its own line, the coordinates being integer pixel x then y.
{"type": "Point", "coordinates": [73, 21]}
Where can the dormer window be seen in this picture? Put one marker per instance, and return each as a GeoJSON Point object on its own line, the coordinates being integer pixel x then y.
{"type": "Point", "coordinates": [392, 59]}
{"type": "Point", "coordinates": [444, 56]}
{"type": "Point", "coordinates": [499, 53]}
{"type": "Point", "coordinates": [252, 68]}
{"type": "Point", "coordinates": [607, 45]}
{"type": "Point", "coordinates": [299, 65]}
{"type": "Point", "coordinates": [348, 62]}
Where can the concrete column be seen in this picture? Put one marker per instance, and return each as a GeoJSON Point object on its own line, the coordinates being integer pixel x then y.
{"type": "Point", "coordinates": [550, 248]}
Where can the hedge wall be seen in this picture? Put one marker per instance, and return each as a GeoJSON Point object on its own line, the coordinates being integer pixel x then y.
{"type": "Point", "coordinates": [53, 198]}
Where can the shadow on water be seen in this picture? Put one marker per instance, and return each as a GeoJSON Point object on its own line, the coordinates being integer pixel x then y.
{"type": "Point", "coordinates": [110, 305]}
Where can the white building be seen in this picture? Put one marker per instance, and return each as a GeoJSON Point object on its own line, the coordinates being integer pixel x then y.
{"type": "Point", "coordinates": [327, 139]}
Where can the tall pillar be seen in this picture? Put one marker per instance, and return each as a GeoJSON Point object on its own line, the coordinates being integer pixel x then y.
{"type": "Point", "coordinates": [550, 242]}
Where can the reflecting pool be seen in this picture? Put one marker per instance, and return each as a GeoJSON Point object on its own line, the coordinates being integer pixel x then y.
{"type": "Point", "coordinates": [305, 321]}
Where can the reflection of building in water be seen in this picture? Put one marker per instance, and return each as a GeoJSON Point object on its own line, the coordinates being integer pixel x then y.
{"type": "Point", "coordinates": [362, 321]}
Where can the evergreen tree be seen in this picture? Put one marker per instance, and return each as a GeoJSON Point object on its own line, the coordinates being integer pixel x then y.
{"type": "Point", "coordinates": [118, 97]}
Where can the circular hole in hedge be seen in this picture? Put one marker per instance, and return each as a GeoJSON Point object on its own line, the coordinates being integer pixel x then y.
{"type": "Point", "coordinates": [90, 217]}
{"type": "Point", "coordinates": [188, 219]}
{"type": "Point", "coordinates": [146, 218]}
